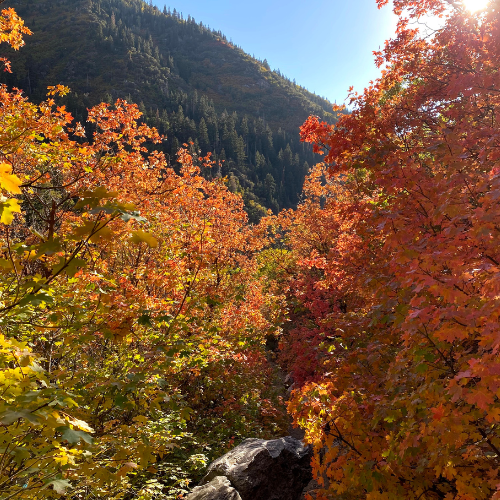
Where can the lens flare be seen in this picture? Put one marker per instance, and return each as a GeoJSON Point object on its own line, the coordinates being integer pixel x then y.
{"type": "Point", "coordinates": [475, 5]}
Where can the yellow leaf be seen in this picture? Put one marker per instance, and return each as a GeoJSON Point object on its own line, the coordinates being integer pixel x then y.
{"type": "Point", "coordinates": [6, 264]}
{"type": "Point", "coordinates": [7, 209]}
{"type": "Point", "coordinates": [102, 233]}
{"type": "Point", "coordinates": [61, 90]}
{"type": "Point", "coordinates": [141, 419]}
{"type": "Point", "coordinates": [9, 181]}
{"type": "Point", "coordinates": [142, 236]}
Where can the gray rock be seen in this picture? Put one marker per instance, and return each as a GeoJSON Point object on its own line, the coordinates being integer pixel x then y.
{"type": "Point", "coordinates": [265, 470]}
{"type": "Point", "coordinates": [219, 488]}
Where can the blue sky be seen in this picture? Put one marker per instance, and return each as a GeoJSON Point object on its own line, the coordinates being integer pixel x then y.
{"type": "Point", "coordinates": [325, 45]}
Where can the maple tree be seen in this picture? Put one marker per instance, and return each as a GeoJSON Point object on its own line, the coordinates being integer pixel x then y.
{"type": "Point", "coordinates": [394, 281]}
{"type": "Point", "coordinates": [132, 310]}
{"type": "Point", "coordinates": [393, 271]}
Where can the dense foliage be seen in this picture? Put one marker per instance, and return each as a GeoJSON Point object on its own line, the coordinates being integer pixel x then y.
{"type": "Point", "coordinates": [136, 299]}
{"type": "Point", "coordinates": [132, 310]}
{"type": "Point", "coordinates": [393, 274]}
{"type": "Point", "coordinates": [189, 82]}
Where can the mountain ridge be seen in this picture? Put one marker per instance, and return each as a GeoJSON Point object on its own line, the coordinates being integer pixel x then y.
{"type": "Point", "coordinates": [189, 81]}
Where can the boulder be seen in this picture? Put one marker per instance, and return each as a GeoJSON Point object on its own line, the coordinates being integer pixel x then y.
{"type": "Point", "coordinates": [219, 488]}
{"type": "Point", "coordinates": [264, 470]}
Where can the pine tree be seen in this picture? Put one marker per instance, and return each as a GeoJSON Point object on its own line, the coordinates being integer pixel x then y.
{"type": "Point", "coordinates": [203, 134]}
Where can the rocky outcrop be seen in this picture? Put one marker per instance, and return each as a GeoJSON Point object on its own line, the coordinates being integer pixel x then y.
{"type": "Point", "coordinates": [259, 470]}
{"type": "Point", "coordinates": [219, 488]}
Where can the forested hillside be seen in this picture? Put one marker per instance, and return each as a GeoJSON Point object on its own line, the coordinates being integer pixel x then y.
{"type": "Point", "coordinates": [190, 83]}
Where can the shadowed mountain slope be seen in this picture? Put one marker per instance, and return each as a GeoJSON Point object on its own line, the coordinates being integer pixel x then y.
{"type": "Point", "coordinates": [190, 82]}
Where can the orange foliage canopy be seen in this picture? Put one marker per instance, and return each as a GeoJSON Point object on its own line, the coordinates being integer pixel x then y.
{"type": "Point", "coordinates": [12, 30]}
{"type": "Point", "coordinates": [396, 285]}
{"type": "Point", "coordinates": [132, 311]}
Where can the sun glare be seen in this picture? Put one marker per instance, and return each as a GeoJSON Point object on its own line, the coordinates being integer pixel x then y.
{"type": "Point", "coordinates": [475, 5]}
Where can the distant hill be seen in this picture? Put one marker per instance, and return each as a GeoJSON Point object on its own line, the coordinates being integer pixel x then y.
{"type": "Point", "coordinates": [190, 82]}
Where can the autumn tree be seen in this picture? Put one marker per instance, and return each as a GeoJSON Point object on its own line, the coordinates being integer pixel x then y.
{"type": "Point", "coordinates": [392, 274]}
{"type": "Point", "coordinates": [132, 310]}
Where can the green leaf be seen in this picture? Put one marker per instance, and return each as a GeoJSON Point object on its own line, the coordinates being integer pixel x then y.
{"type": "Point", "coordinates": [145, 320]}
{"type": "Point", "coordinates": [215, 301]}
{"type": "Point", "coordinates": [71, 267]}
{"type": "Point", "coordinates": [422, 368]}
{"type": "Point", "coordinates": [31, 396]}
{"type": "Point", "coordinates": [120, 400]}
{"type": "Point", "coordinates": [102, 233]}
{"type": "Point", "coordinates": [185, 413]}
{"type": "Point", "coordinates": [49, 247]}
{"type": "Point", "coordinates": [9, 417]}
{"type": "Point", "coordinates": [113, 208]}
{"type": "Point", "coordinates": [72, 436]}
{"type": "Point", "coordinates": [36, 299]}
{"type": "Point", "coordinates": [92, 198]}
{"type": "Point", "coordinates": [96, 229]}
{"type": "Point", "coordinates": [167, 318]}
{"type": "Point", "coordinates": [21, 454]}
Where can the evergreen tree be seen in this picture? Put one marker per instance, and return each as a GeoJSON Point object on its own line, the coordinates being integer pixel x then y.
{"type": "Point", "coordinates": [203, 134]}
